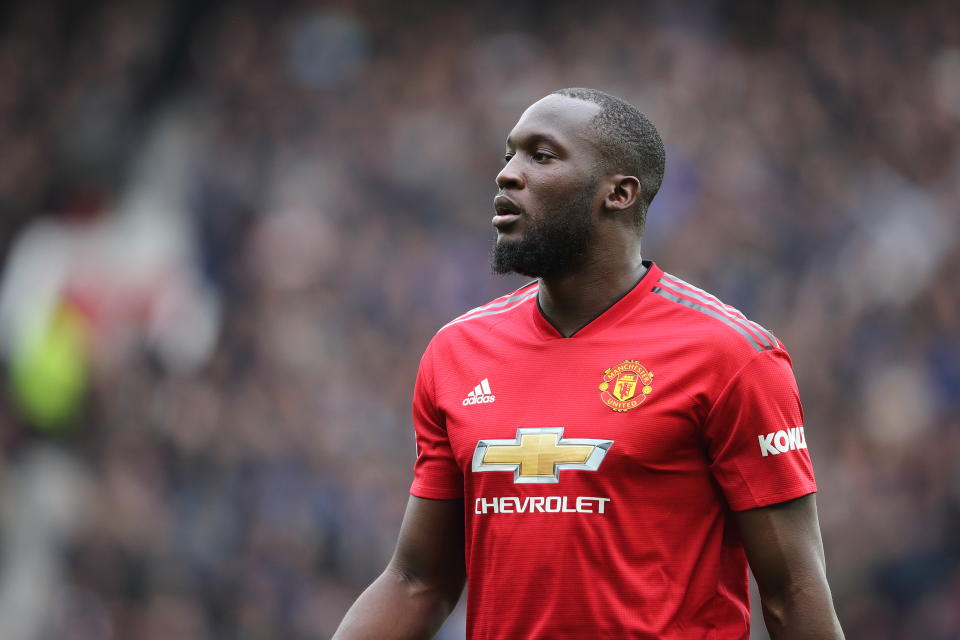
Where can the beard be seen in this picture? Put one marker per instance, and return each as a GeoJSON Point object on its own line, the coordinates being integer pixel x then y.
{"type": "Point", "coordinates": [554, 246]}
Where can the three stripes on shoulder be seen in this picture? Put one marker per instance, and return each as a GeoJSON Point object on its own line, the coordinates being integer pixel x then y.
{"type": "Point", "coordinates": [668, 286]}
{"type": "Point", "coordinates": [675, 289]}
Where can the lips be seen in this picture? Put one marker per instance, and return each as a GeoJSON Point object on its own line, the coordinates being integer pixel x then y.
{"type": "Point", "coordinates": [507, 211]}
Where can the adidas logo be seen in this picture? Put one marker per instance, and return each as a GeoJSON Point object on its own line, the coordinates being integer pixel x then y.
{"type": "Point", "coordinates": [481, 394]}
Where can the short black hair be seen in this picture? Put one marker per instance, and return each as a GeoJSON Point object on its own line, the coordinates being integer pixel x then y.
{"type": "Point", "coordinates": [628, 142]}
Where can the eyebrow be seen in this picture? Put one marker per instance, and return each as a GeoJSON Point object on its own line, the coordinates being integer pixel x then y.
{"type": "Point", "coordinates": [536, 137]}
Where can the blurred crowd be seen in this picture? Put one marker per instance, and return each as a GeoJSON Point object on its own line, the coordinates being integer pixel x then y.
{"type": "Point", "coordinates": [229, 229]}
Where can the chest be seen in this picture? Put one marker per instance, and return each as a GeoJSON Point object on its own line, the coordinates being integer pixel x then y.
{"type": "Point", "coordinates": [568, 403]}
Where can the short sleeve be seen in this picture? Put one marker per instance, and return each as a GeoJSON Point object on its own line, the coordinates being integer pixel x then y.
{"type": "Point", "coordinates": [755, 436]}
{"type": "Point", "coordinates": [435, 473]}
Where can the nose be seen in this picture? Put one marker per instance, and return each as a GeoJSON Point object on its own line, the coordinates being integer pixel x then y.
{"type": "Point", "coordinates": [510, 177]}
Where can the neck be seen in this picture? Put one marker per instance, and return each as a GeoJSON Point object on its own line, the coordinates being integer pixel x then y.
{"type": "Point", "coordinates": [571, 301]}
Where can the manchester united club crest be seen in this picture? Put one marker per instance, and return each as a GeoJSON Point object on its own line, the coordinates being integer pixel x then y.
{"type": "Point", "coordinates": [626, 385]}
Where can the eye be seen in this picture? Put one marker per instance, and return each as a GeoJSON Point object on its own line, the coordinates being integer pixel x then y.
{"type": "Point", "coordinates": [542, 156]}
{"type": "Point", "coordinates": [506, 157]}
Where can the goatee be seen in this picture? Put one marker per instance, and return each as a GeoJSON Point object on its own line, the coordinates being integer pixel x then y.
{"type": "Point", "coordinates": [554, 246]}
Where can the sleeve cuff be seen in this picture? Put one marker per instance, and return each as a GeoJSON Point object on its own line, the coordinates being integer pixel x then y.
{"type": "Point", "coordinates": [772, 498]}
{"type": "Point", "coordinates": [435, 493]}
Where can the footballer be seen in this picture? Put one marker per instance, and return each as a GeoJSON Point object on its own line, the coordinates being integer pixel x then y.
{"type": "Point", "coordinates": [604, 452]}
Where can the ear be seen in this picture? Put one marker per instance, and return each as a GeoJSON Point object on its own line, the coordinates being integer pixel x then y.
{"type": "Point", "coordinates": [622, 193]}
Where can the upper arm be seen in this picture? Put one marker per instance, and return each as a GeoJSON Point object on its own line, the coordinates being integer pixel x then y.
{"type": "Point", "coordinates": [783, 545]}
{"type": "Point", "coordinates": [423, 581]}
{"type": "Point", "coordinates": [436, 474]}
{"type": "Point", "coordinates": [429, 550]}
{"type": "Point", "coordinates": [755, 437]}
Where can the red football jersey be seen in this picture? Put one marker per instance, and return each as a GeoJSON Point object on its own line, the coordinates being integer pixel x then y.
{"type": "Point", "coordinates": [600, 472]}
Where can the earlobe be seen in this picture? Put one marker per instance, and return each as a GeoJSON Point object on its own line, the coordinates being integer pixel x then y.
{"type": "Point", "coordinates": [624, 192]}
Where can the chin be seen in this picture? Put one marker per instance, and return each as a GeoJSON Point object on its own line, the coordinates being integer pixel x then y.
{"type": "Point", "coordinates": [507, 238]}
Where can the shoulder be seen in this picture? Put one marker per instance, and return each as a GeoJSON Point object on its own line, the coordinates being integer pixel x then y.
{"type": "Point", "coordinates": [474, 328]}
{"type": "Point", "coordinates": [504, 308]}
{"type": "Point", "coordinates": [712, 324]}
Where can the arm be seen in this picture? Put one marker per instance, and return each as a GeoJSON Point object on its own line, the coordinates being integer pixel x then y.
{"type": "Point", "coordinates": [422, 582]}
{"type": "Point", "coordinates": [785, 552]}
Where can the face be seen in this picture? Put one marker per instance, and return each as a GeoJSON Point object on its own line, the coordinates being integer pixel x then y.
{"type": "Point", "coordinates": [547, 201]}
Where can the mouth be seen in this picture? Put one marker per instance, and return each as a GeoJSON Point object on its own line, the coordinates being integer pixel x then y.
{"type": "Point", "coordinates": [507, 211]}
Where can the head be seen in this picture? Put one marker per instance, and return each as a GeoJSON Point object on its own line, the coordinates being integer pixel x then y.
{"type": "Point", "coordinates": [581, 167]}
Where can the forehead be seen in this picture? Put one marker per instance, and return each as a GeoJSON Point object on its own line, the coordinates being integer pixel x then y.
{"type": "Point", "coordinates": [566, 120]}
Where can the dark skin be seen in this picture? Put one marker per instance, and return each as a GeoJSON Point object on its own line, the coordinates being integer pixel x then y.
{"type": "Point", "coordinates": [548, 153]}
{"type": "Point", "coordinates": [423, 581]}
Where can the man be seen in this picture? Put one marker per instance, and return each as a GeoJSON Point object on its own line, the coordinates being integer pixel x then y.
{"type": "Point", "coordinates": [600, 452]}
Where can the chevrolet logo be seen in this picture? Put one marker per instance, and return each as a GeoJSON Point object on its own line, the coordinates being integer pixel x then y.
{"type": "Point", "coordinates": [539, 454]}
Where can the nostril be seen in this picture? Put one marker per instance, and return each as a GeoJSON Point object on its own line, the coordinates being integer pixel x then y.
{"type": "Point", "coordinates": [505, 180]}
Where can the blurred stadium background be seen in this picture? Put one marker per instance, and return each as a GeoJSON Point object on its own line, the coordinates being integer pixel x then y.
{"type": "Point", "coordinates": [228, 229]}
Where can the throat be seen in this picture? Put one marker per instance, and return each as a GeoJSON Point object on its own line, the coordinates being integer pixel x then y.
{"type": "Point", "coordinates": [572, 303]}
{"type": "Point", "coordinates": [565, 324]}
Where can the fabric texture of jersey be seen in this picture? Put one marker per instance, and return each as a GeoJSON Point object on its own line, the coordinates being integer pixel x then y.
{"type": "Point", "coordinates": [600, 472]}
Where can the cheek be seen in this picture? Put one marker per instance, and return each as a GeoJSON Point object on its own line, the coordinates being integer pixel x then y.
{"type": "Point", "coordinates": [561, 193]}
{"type": "Point", "coordinates": [553, 184]}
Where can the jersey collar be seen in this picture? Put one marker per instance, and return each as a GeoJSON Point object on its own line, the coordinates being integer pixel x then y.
{"type": "Point", "coordinates": [610, 316]}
